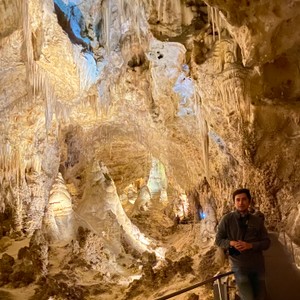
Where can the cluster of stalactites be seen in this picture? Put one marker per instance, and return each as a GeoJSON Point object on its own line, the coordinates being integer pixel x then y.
{"type": "Point", "coordinates": [37, 78]}
{"type": "Point", "coordinates": [14, 165]}
{"type": "Point", "coordinates": [128, 16]}
{"type": "Point", "coordinates": [217, 22]}
{"type": "Point", "coordinates": [10, 164]}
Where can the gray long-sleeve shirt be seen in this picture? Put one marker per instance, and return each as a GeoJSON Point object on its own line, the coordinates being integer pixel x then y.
{"type": "Point", "coordinates": [230, 229]}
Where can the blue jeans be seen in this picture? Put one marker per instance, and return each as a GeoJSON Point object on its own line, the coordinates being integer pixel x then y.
{"type": "Point", "coordinates": [251, 284]}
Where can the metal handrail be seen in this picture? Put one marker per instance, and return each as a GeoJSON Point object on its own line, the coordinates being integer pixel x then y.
{"type": "Point", "coordinates": [217, 277]}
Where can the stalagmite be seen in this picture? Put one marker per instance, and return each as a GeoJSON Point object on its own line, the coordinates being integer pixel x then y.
{"type": "Point", "coordinates": [59, 219]}
{"type": "Point", "coordinates": [99, 199]}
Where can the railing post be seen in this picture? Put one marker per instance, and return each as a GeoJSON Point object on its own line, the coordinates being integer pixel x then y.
{"type": "Point", "coordinates": [219, 288]}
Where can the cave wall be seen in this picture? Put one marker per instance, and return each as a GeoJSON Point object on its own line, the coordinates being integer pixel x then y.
{"type": "Point", "coordinates": [210, 89]}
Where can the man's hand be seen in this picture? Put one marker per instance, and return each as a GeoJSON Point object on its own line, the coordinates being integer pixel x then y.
{"type": "Point", "coordinates": [240, 245]}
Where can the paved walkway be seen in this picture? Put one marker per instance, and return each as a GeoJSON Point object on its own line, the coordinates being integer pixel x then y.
{"type": "Point", "coordinates": [282, 276]}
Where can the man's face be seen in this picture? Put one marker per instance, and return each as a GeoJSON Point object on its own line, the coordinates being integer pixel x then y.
{"type": "Point", "coordinates": [241, 202]}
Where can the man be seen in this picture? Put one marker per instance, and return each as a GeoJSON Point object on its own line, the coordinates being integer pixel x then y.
{"type": "Point", "coordinates": [245, 237]}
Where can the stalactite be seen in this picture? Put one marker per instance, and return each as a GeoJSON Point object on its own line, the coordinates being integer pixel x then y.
{"type": "Point", "coordinates": [216, 20]}
{"type": "Point", "coordinates": [131, 18]}
{"type": "Point", "coordinates": [203, 128]}
{"type": "Point", "coordinates": [36, 163]}
{"type": "Point", "coordinates": [42, 84]}
{"type": "Point", "coordinates": [121, 9]}
{"type": "Point", "coordinates": [136, 25]}
{"type": "Point", "coordinates": [87, 68]}
{"type": "Point", "coordinates": [62, 111]}
{"type": "Point", "coordinates": [9, 163]}
{"type": "Point", "coordinates": [233, 99]}
{"type": "Point", "coordinates": [163, 8]}
{"type": "Point", "coordinates": [104, 97]}
{"type": "Point", "coordinates": [28, 43]}
{"type": "Point", "coordinates": [211, 18]}
{"type": "Point", "coordinates": [219, 22]}
{"type": "Point", "coordinates": [106, 12]}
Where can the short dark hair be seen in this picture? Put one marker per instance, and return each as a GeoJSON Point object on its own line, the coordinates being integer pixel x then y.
{"type": "Point", "coordinates": [242, 191]}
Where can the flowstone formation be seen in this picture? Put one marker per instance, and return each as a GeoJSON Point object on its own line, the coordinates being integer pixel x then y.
{"type": "Point", "coordinates": [125, 127]}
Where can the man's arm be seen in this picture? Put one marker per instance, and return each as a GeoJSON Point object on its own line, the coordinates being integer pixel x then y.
{"type": "Point", "coordinates": [264, 242]}
{"type": "Point", "coordinates": [222, 236]}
